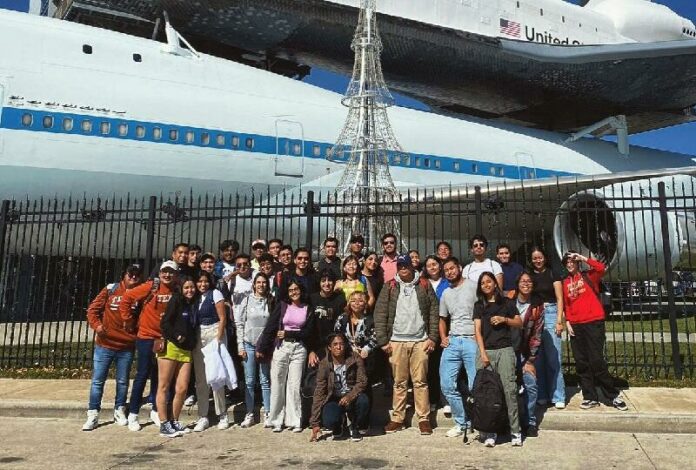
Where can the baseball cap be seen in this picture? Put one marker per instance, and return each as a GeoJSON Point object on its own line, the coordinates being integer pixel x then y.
{"type": "Point", "coordinates": [260, 243]}
{"type": "Point", "coordinates": [169, 265]}
{"type": "Point", "coordinates": [403, 260]}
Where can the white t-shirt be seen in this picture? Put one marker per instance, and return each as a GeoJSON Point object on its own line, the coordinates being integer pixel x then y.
{"type": "Point", "coordinates": [242, 288]}
{"type": "Point", "coordinates": [474, 269]}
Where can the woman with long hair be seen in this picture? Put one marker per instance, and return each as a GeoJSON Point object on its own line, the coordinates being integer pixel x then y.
{"type": "Point", "coordinates": [494, 316]}
{"type": "Point", "coordinates": [432, 270]}
{"type": "Point", "coordinates": [251, 319]}
{"type": "Point", "coordinates": [351, 281]}
{"type": "Point", "coordinates": [285, 337]}
{"type": "Point", "coordinates": [372, 273]}
{"type": "Point", "coordinates": [548, 288]}
{"type": "Point", "coordinates": [211, 320]}
{"type": "Point", "coordinates": [174, 360]}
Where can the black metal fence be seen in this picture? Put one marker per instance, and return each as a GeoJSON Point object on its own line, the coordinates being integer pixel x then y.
{"type": "Point", "coordinates": [55, 255]}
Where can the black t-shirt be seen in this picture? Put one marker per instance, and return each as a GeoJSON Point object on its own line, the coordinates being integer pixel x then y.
{"type": "Point", "coordinates": [326, 312]}
{"type": "Point", "coordinates": [499, 336]}
{"type": "Point", "coordinates": [543, 285]}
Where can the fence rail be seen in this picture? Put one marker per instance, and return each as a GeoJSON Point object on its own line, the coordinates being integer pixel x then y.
{"type": "Point", "coordinates": [56, 254]}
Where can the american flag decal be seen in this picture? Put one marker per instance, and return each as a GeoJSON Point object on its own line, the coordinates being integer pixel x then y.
{"type": "Point", "coordinates": [510, 28]}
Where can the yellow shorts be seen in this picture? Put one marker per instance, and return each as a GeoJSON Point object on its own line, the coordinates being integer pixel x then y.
{"type": "Point", "coordinates": [175, 353]}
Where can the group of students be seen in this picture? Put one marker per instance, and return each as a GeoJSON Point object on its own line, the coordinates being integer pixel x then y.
{"type": "Point", "coordinates": [317, 337]}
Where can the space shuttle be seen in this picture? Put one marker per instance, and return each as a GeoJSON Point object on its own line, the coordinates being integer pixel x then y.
{"type": "Point", "coordinates": [87, 111]}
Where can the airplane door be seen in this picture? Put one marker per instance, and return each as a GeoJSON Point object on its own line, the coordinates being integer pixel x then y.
{"type": "Point", "coordinates": [289, 160]}
{"type": "Point", "coordinates": [525, 166]}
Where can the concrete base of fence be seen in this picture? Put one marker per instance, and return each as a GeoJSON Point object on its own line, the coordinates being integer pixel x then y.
{"type": "Point", "coordinates": [651, 410]}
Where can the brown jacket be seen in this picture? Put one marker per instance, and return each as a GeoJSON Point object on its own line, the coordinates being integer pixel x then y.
{"type": "Point", "coordinates": [103, 311]}
{"type": "Point", "coordinates": [385, 310]}
{"type": "Point", "coordinates": [356, 378]}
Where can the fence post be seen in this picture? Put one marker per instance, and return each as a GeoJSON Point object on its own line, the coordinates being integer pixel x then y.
{"type": "Point", "coordinates": [478, 207]}
{"type": "Point", "coordinates": [150, 241]}
{"type": "Point", "coordinates": [667, 252]}
{"type": "Point", "coordinates": [4, 216]}
{"type": "Point", "coordinates": [310, 221]}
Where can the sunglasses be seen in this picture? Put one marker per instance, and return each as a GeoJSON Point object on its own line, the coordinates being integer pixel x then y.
{"type": "Point", "coordinates": [388, 243]}
{"type": "Point", "coordinates": [478, 245]}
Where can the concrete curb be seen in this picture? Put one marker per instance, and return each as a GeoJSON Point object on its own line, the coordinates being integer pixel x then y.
{"type": "Point", "coordinates": [565, 420]}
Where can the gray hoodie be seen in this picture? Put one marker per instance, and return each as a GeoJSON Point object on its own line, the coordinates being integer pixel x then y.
{"type": "Point", "coordinates": [408, 320]}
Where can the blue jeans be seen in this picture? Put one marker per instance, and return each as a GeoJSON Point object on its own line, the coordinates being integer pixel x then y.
{"type": "Point", "coordinates": [146, 368]}
{"type": "Point", "coordinates": [461, 351]}
{"type": "Point", "coordinates": [250, 379]}
{"type": "Point", "coordinates": [528, 412]}
{"type": "Point", "coordinates": [548, 364]}
{"type": "Point", "coordinates": [358, 412]}
{"type": "Point", "coordinates": [102, 360]}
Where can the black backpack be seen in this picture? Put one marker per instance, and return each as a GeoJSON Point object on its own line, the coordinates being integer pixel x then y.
{"type": "Point", "coordinates": [485, 405]}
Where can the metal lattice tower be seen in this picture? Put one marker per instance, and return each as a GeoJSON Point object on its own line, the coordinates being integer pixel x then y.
{"type": "Point", "coordinates": [367, 140]}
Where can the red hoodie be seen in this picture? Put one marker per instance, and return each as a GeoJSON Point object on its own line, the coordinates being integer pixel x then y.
{"type": "Point", "coordinates": [580, 301]}
{"type": "Point", "coordinates": [103, 311]}
{"type": "Point", "coordinates": [152, 312]}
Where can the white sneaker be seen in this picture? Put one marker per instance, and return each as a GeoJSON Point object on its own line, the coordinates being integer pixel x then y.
{"type": "Point", "coordinates": [267, 421]}
{"type": "Point", "coordinates": [92, 420]}
{"type": "Point", "coordinates": [190, 400]}
{"type": "Point", "coordinates": [447, 410]}
{"type": "Point", "coordinates": [133, 423]}
{"type": "Point", "coordinates": [456, 431]}
{"type": "Point", "coordinates": [120, 416]}
{"type": "Point", "coordinates": [224, 421]}
{"type": "Point", "coordinates": [297, 429]}
{"type": "Point", "coordinates": [248, 420]}
{"type": "Point", "coordinates": [201, 425]}
{"type": "Point", "coordinates": [490, 440]}
{"type": "Point", "coordinates": [560, 405]}
{"type": "Point", "coordinates": [516, 440]}
{"type": "Point", "coordinates": [154, 417]}
{"type": "Point", "coordinates": [278, 428]}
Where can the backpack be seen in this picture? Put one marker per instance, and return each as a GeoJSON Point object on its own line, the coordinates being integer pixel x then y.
{"type": "Point", "coordinates": [485, 405]}
{"type": "Point", "coordinates": [603, 295]}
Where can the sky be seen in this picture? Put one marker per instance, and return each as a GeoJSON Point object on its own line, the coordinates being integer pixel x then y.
{"type": "Point", "coordinates": [680, 139]}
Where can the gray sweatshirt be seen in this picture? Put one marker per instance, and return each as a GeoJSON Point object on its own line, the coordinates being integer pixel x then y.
{"type": "Point", "coordinates": [251, 318]}
{"type": "Point", "coordinates": [408, 320]}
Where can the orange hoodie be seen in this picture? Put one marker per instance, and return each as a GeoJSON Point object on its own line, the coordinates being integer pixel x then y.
{"type": "Point", "coordinates": [104, 312]}
{"type": "Point", "coordinates": [152, 311]}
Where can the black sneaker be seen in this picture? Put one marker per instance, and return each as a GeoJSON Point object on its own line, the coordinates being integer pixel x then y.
{"type": "Point", "coordinates": [355, 435]}
{"type": "Point", "coordinates": [532, 431]}
{"type": "Point", "coordinates": [619, 404]}
{"type": "Point", "coordinates": [166, 430]}
{"type": "Point", "coordinates": [587, 404]}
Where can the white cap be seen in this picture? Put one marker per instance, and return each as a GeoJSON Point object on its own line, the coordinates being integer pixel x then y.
{"type": "Point", "coordinates": [169, 264]}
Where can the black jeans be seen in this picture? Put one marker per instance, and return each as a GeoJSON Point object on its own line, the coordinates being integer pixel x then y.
{"type": "Point", "coordinates": [588, 349]}
{"type": "Point", "coordinates": [358, 413]}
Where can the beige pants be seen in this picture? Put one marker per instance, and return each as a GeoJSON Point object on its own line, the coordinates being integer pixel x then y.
{"type": "Point", "coordinates": [408, 359]}
{"type": "Point", "coordinates": [207, 334]}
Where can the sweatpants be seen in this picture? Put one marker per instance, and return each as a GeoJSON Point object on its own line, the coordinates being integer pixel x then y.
{"type": "Point", "coordinates": [207, 333]}
{"type": "Point", "coordinates": [503, 362]}
{"type": "Point", "coordinates": [590, 365]}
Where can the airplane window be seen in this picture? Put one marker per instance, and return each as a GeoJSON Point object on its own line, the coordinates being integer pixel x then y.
{"type": "Point", "coordinates": [139, 132]}
{"type": "Point", "coordinates": [397, 159]}
{"type": "Point", "coordinates": [48, 122]}
{"type": "Point", "coordinates": [563, 18]}
{"type": "Point", "coordinates": [87, 126]}
{"type": "Point", "coordinates": [235, 142]}
{"type": "Point", "coordinates": [491, 170]}
{"type": "Point", "coordinates": [418, 161]}
{"type": "Point", "coordinates": [86, 48]}
{"type": "Point", "coordinates": [407, 161]}
{"type": "Point", "coordinates": [189, 137]}
{"type": "Point", "coordinates": [220, 139]}
{"type": "Point", "coordinates": [173, 135]}
{"type": "Point", "coordinates": [501, 171]}
{"type": "Point", "coordinates": [474, 168]}
{"type": "Point", "coordinates": [316, 151]}
{"type": "Point", "coordinates": [297, 149]}
{"type": "Point", "coordinates": [456, 166]}
{"type": "Point", "coordinates": [541, 11]}
{"type": "Point", "coordinates": [437, 164]}
{"type": "Point", "coordinates": [27, 119]}
{"type": "Point", "coordinates": [137, 58]}
{"type": "Point", "coordinates": [67, 124]}
{"type": "Point", "coordinates": [426, 162]}
{"type": "Point", "coordinates": [249, 143]}
{"type": "Point", "coordinates": [123, 129]}
{"type": "Point", "coordinates": [205, 138]}
{"type": "Point", "coordinates": [157, 133]}
{"type": "Point", "coordinates": [105, 128]}
{"type": "Point", "coordinates": [518, 4]}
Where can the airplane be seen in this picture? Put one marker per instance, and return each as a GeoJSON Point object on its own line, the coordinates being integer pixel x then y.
{"type": "Point", "coordinates": [546, 64]}
{"type": "Point", "coordinates": [87, 111]}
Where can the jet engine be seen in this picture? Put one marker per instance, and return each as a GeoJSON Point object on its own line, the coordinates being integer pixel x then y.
{"type": "Point", "coordinates": [621, 225]}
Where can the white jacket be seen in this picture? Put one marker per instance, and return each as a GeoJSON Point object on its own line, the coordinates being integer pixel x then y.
{"type": "Point", "coordinates": [219, 369]}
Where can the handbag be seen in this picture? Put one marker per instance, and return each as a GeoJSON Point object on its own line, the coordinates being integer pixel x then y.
{"type": "Point", "coordinates": [159, 346]}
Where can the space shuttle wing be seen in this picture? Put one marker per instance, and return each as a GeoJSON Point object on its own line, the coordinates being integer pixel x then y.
{"type": "Point", "coordinates": [523, 211]}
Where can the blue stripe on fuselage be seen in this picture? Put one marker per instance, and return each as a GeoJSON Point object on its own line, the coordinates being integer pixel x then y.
{"type": "Point", "coordinates": [11, 118]}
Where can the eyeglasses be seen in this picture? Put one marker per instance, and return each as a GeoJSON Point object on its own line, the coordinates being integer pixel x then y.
{"type": "Point", "coordinates": [388, 243]}
{"type": "Point", "coordinates": [478, 245]}
{"type": "Point", "coordinates": [242, 265]}
{"type": "Point", "coordinates": [294, 289]}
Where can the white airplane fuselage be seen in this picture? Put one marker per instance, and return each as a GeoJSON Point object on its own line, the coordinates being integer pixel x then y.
{"type": "Point", "coordinates": [87, 111]}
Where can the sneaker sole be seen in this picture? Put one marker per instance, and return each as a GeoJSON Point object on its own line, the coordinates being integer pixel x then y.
{"type": "Point", "coordinates": [170, 436]}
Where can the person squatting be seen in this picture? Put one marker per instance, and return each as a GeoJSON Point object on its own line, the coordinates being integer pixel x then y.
{"type": "Point", "coordinates": [316, 338]}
